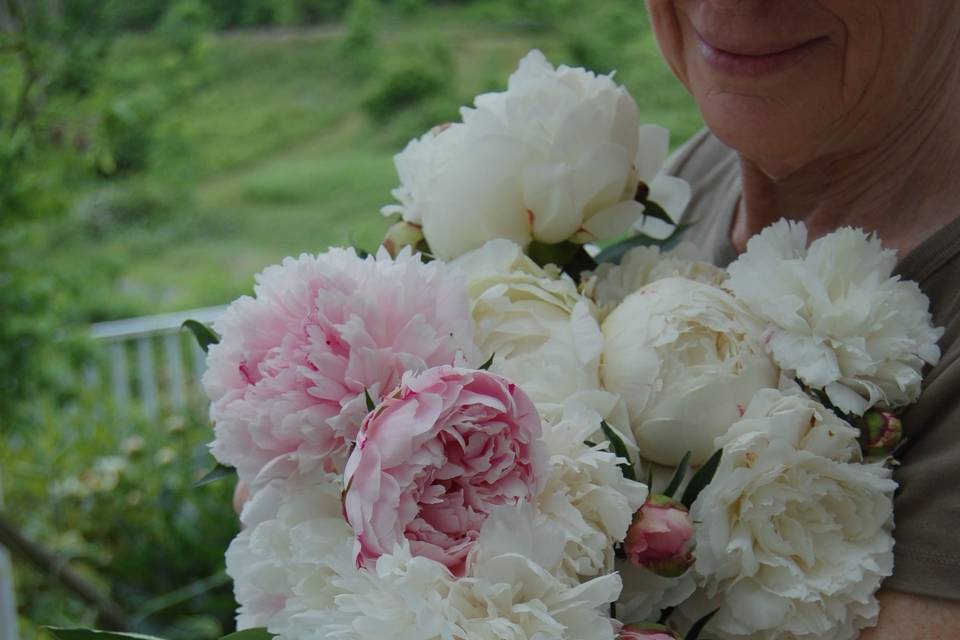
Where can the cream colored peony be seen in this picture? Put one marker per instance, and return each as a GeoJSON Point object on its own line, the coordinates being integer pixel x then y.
{"type": "Point", "coordinates": [585, 497]}
{"type": "Point", "coordinates": [557, 156]}
{"type": "Point", "coordinates": [282, 562]}
{"type": "Point", "coordinates": [508, 593]}
{"type": "Point", "coordinates": [686, 358]}
{"type": "Point", "coordinates": [837, 315]}
{"type": "Point", "coordinates": [610, 283]}
{"type": "Point", "coordinates": [542, 334]}
{"type": "Point", "coordinates": [795, 534]}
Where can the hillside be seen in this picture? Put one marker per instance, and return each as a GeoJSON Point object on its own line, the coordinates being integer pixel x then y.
{"type": "Point", "coordinates": [284, 158]}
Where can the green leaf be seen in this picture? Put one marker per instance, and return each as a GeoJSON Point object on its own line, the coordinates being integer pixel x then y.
{"type": "Point", "coordinates": [486, 365]}
{"type": "Point", "coordinates": [701, 479]}
{"type": "Point", "coordinates": [580, 261]}
{"type": "Point", "coordinates": [698, 626]}
{"type": "Point", "coordinates": [678, 475]}
{"type": "Point", "coordinates": [94, 634]}
{"type": "Point", "coordinates": [218, 472]}
{"type": "Point", "coordinates": [559, 253]}
{"type": "Point", "coordinates": [615, 252]}
{"type": "Point", "coordinates": [654, 210]}
{"type": "Point", "coordinates": [371, 405]}
{"type": "Point", "coordinates": [620, 450]}
{"type": "Point", "coordinates": [204, 334]}
{"type": "Point", "coordinates": [249, 634]}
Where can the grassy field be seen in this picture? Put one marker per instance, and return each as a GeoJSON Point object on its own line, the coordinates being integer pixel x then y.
{"type": "Point", "coordinates": [283, 159]}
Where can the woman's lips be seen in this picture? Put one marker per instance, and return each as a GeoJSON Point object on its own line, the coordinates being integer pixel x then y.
{"type": "Point", "coordinates": [768, 60]}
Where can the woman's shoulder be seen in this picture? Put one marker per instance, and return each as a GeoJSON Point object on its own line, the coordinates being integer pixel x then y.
{"type": "Point", "coordinates": [702, 157]}
{"type": "Point", "coordinates": [713, 171]}
{"type": "Point", "coordinates": [928, 504]}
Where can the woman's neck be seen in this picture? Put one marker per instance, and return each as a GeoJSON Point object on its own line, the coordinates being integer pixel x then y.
{"type": "Point", "coordinates": [905, 189]}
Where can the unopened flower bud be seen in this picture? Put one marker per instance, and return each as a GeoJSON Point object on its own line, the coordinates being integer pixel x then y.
{"type": "Point", "coordinates": [647, 631]}
{"type": "Point", "coordinates": [882, 432]}
{"type": "Point", "coordinates": [400, 235]}
{"type": "Point", "coordinates": [661, 537]}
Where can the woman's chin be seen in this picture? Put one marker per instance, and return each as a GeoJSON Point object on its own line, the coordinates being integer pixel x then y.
{"type": "Point", "coordinates": [778, 137]}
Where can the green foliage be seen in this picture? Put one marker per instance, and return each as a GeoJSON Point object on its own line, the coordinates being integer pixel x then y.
{"type": "Point", "coordinates": [116, 208]}
{"type": "Point", "coordinates": [93, 634]}
{"type": "Point", "coordinates": [219, 472]}
{"type": "Point", "coordinates": [119, 502]}
{"type": "Point", "coordinates": [618, 447]}
{"type": "Point", "coordinates": [204, 335]}
{"type": "Point", "coordinates": [358, 48]}
{"type": "Point", "coordinates": [405, 87]}
{"type": "Point", "coordinates": [125, 135]}
{"type": "Point", "coordinates": [596, 37]}
{"type": "Point", "coordinates": [248, 634]}
{"type": "Point", "coordinates": [678, 475]}
{"type": "Point", "coordinates": [184, 24]}
{"type": "Point", "coordinates": [409, 7]}
{"type": "Point", "coordinates": [701, 478]}
{"type": "Point", "coordinates": [62, 633]}
{"type": "Point", "coordinates": [416, 91]}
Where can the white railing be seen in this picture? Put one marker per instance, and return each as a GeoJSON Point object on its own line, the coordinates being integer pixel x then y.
{"type": "Point", "coordinates": [8, 604]}
{"type": "Point", "coordinates": [151, 361]}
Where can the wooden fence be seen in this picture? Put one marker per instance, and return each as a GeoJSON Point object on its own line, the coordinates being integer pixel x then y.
{"type": "Point", "coordinates": [150, 362]}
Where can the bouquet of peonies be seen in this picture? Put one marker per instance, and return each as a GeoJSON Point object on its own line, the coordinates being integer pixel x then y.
{"type": "Point", "coordinates": [446, 440]}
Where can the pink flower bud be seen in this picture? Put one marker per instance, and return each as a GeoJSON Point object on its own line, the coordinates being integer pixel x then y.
{"type": "Point", "coordinates": [661, 537]}
{"type": "Point", "coordinates": [400, 235]}
{"type": "Point", "coordinates": [646, 631]}
{"type": "Point", "coordinates": [883, 431]}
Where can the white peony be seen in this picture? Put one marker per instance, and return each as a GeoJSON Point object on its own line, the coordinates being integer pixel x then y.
{"type": "Point", "coordinates": [557, 156]}
{"type": "Point", "coordinates": [837, 316]}
{"type": "Point", "coordinates": [686, 358]}
{"type": "Point", "coordinates": [507, 594]}
{"type": "Point", "coordinates": [282, 562]}
{"type": "Point", "coordinates": [586, 496]}
{"type": "Point", "coordinates": [794, 534]}
{"type": "Point", "coordinates": [610, 283]}
{"type": "Point", "coordinates": [645, 594]}
{"type": "Point", "coordinates": [542, 334]}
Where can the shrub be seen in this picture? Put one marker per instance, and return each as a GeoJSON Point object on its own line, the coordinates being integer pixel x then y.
{"type": "Point", "coordinates": [120, 206]}
{"type": "Point", "coordinates": [419, 75]}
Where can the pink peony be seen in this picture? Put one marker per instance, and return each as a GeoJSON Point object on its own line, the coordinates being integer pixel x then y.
{"type": "Point", "coordinates": [647, 632]}
{"type": "Point", "coordinates": [287, 379]}
{"type": "Point", "coordinates": [661, 537]}
{"type": "Point", "coordinates": [435, 457]}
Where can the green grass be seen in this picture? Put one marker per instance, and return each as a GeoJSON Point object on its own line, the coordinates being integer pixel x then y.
{"type": "Point", "coordinates": [283, 160]}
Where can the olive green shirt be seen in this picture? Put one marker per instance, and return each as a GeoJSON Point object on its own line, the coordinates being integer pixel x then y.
{"type": "Point", "coordinates": [927, 505]}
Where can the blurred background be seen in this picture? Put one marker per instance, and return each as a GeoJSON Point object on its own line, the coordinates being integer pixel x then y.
{"type": "Point", "coordinates": [154, 155]}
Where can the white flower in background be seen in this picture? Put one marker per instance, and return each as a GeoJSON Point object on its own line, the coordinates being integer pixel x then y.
{"type": "Point", "coordinates": [795, 534]}
{"type": "Point", "coordinates": [586, 496]}
{"type": "Point", "coordinates": [837, 316]}
{"type": "Point", "coordinates": [542, 333]}
{"type": "Point", "coordinates": [610, 283]}
{"type": "Point", "coordinates": [282, 562]}
{"type": "Point", "coordinates": [645, 594]}
{"type": "Point", "coordinates": [557, 156]}
{"type": "Point", "coordinates": [686, 358]}
{"type": "Point", "coordinates": [508, 593]}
